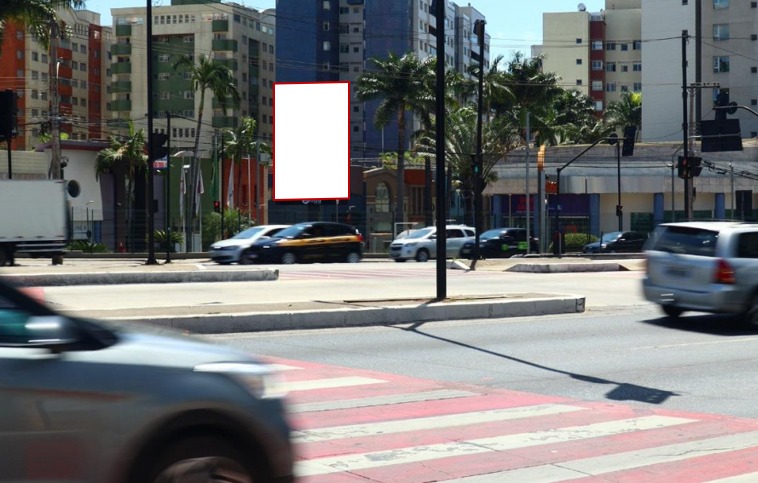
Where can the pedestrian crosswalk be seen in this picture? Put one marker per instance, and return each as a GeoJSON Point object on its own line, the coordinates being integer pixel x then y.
{"type": "Point", "coordinates": [350, 272]}
{"type": "Point", "coordinates": [357, 425]}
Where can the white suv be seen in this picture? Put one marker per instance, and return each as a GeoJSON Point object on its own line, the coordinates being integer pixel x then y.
{"type": "Point", "coordinates": [421, 244]}
{"type": "Point", "coordinates": [704, 266]}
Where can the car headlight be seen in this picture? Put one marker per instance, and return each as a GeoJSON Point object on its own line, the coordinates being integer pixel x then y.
{"type": "Point", "coordinates": [261, 381]}
{"type": "Point", "coordinates": [412, 244]}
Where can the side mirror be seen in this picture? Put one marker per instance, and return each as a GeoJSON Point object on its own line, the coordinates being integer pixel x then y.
{"type": "Point", "coordinates": [52, 332]}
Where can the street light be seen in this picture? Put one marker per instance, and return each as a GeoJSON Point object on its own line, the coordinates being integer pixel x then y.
{"type": "Point", "coordinates": [89, 229]}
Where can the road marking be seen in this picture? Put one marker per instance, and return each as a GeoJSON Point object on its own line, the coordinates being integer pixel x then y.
{"type": "Point", "coordinates": [321, 466]}
{"type": "Point", "coordinates": [689, 344]}
{"type": "Point", "coordinates": [379, 401]}
{"type": "Point", "coordinates": [432, 422]}
{"type": "Point", "coordinates": [283, 367]}
{"type": "Point", "coordinates": [330, 383]}
{"type": "Point", "coordinates": [568, 470]}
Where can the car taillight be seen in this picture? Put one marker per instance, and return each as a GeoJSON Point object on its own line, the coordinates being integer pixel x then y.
{"type": "Point", "coordinates": [360, 237]}
{"type": "Point", "coordinates": [724, 272]}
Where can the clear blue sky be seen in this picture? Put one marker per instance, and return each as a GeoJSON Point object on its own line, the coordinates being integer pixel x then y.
{"type": "Point", "coordinates": [512, 24]}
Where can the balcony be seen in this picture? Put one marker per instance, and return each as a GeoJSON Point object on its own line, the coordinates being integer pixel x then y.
{"type": "Point", "coordinates": [221, 122]}
{"type": "Point", "coordinates": [123, 30]}
{"type": "Point", "coordinates": [121, 87]}
{"type": "Point", "coordinates": [220, 25]}
{"type": "Point", "coordinates": [121, 105]}
{"type": "Point", "coordinates": [121, 68]}
{"type": "Point", "coordinates": [228, 104]}
{"type": "Point", "coordinates": [231, 63]}
{"type": "Point", "coordinates": [121, 49]}
{"type": "Point", "coordinates": [224, 44]}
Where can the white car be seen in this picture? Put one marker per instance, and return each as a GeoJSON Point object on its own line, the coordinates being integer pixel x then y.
{"type": "Point", "coordinates": [234, 249]}
{"type": "Point", "coordinates": [421, 245]}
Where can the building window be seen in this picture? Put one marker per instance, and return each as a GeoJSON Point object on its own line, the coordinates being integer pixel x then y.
{"type": "Point", "coordinates": [598, 106]}
{"type": "Point", "coordinates": [578, 41]}
{"type": "Point", "coordinates": [327, 5]}
{"type": "Point", "coordinates": [597, 65]}
{"type": "Point", "coordinates": [721, 31]}
{"type": "Point", "coordinates": [35, 75]}
{"type": "Point", "coordinates": [624, 47]}
{"type": "Point", "coordinates": [720, 3]}
{"type": "Point", "coordinates": [344, 10]}
{"type": "Point", "coordinates": [382, 198]}
{"type": "Point", "coordinates": [624, 88]}
{"type": "Point", "coordinates": [754, 102]}
{"type": "Point", "coordinates": [610, 46]}
{"type": "Point", "coordinates": [610, 67]}
{"type": "Point", "coordinates": [637, 45]}
{"type": "Point", "coordinates": [327, 45]}
{"type": "Point", "coordinates": [19, 54]}
{"type": "Point", "coordinates": [597, 85]}
{"type": "Point", "coordinates": [637, 87]}
{"type": "Point", "coordinates": [35, 56]}
{"type": "Point", "coordinates": [579, 82]}
{"type": "Point", "coordinates": [721, 64]}
{"type": "Point", "coordinates": [578, 61]}
{"type": "Point", "coordinates": [610, 87]}
{"type": "Point", "coordinates": [344, 49]}
{"type": "Point", "coordinates": [326, 26]}
{"type": "Point", "coordinates": [637, 66]}
{"type": "Point", "coordinates": [597, 45]}
{"type": "Point", "coordinates": [754, 70]}
{"type": "Point", "coordinates": [624, 68]}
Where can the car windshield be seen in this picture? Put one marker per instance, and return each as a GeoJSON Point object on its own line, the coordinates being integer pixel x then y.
{"type": "Point", "coordinates": [490, 234]}
{"type": "Point", "coordinates": [420, 233]}
{"type": "Point", "coordinates": [249, 233]}
{"type": "Point", "coordinates": [683, 240]}
{"type": "Point", "coordinates": [291, 232]}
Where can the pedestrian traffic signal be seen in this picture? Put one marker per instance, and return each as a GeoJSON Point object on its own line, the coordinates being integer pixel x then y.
{"type": "Point", "coordinates": [217, 206]}
{"type": "Point", "coordinates": [8, 114]}
{"type": "Point", "coordinates": [695, 166]}
{"type": "Point", "coordinates": [630, 132]}
{"type": "Point", "coordinates": [157, 145]}
{"type": "Point", "coordinates": [476, 165]}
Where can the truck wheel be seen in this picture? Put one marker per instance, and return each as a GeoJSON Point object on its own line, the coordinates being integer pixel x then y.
{"type": "Point", "coordinates": [3, 257]}
{"type": "Point", "coordinates": [203, 459]}
{"type": "Point", "coordinates": [57, 260]}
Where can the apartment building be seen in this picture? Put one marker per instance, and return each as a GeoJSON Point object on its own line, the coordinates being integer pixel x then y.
{"type": "Point", "coordinates": [598, 54]}
{"type": "Point", "coordinates": [335, 40]}
{"type": "Point", "coordinates": [73, 79]}
{"type": "Point", "coordinates": [241, 38]}
{"type": "Point", "coordinates": [721, 48]}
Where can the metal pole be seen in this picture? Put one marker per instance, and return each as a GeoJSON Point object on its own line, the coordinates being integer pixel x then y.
{"type": "Point", "coordinates": [619, 211]}
{"type": "Point", "coordinates": [528, 194]}
{"type": "Point", "coordinates": [168, 187]}
{"type": "Point", "coordinates": [731, 176]}
{"type": "Point", "coordinates": [479, 26]}
{"type": "Point", "coordinates": [55, 130]}
{"type": "Point", "coordinates": [441, 195]}
{"type": "Point", "coordinates": [151, 149]}
{"type": "Point", "coordinates": [685, 130]}
{"type": "Point", "coordinates": [220, 182]}
{"type": "Point", "coordinates": [673, 206]}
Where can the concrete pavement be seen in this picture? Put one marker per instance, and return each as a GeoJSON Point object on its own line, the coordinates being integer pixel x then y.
{"type": "Point", "coordinates": [317, 313]}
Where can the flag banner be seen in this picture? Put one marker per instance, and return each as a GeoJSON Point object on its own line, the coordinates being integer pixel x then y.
{"type": "Point", "coordinates": [161, 163]}
{"type": "Point", "coordinates": [200, 189]}
{"type": "Point", "coordinates": [182, 191]}
{"type": "Point", "coordinates": [230, 188]}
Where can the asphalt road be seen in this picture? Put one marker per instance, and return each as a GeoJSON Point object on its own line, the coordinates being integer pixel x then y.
{"type": "Point", "coordinates": [627, 354]}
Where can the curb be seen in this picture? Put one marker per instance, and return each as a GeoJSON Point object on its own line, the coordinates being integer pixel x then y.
{"type": "Point", "coordinates": [117, 278]}
{"type": "Point", "coordinates": [566, 267]}
{"type": "Point", "coordinates": [361, 317]}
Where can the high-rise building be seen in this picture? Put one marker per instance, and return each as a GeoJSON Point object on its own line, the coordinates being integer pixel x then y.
{"type": "Point", "coordinates": [335, 40]}
{"type": "Point", "coordinates": [598, 54]}
{"type": "Point", "coordinates": [721, 47]}
{"type": "Point", "coordinates": [72, 79]}
{"type": "Point", "coordinates": [239, 37]}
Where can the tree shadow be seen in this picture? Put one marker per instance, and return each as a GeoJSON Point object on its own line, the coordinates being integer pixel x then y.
{"type": "Point", "coordinates": [621, 392]}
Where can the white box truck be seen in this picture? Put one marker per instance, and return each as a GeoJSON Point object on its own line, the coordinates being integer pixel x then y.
{"type": "Point", "coordinates": [33, 219]}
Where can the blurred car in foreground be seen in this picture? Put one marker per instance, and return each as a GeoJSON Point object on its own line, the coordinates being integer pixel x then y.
{"type": "Point", "coordinates": [313, 241]}
{"type": "Point", "coordinates": [86, 401]}
{"type": "Point", "coordinates": [704, 266]}
{"type": "Point", "coordinates": [618, 242]}
{"type": "Point", "coordinates": [235, 248]}
{"type": "Point", "coordinates": [501, 243]}
{"type": "Point", "coordinates": [421, 244]}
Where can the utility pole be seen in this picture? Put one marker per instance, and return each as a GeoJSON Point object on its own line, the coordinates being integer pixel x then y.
{"type": "Point", "coordinates": [55, 128]}
{"type": "Point", "coordinates": [685, 130]}
{"type": "Point", "coordinates": [441, 201]}
{"type": "Point", "coordinates": [150, 148]}
{"type": "Point", "coordinates": [168, 187]}
{"type": "Point", "coordinates": [479, 156]}
{"type": "Point", "coordinates": [528, 194]}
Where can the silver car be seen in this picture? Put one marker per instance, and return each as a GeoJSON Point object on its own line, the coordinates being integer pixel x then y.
{"type": "Point", "coordinates": [84, 401]}
{"type": "Point", "coordinates": [421, 244]}
{"type": "Point", "coordinates": [234, 249]}
{"type": "Point", "coordinates": [704, 266]}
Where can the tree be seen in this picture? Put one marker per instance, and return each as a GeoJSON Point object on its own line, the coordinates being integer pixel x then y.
{"type": "Point", "coordinates": [206, 75]}
{"type": "Point", "coordinates": [242, 141]}
{"type": "Point", "coordinates": [574, 121]}
{"type": "Point", "coordinates": [627, 111]}
{"type": "Point", "coordinates": [36, 15]}
{"type": "Point", "coordinates": [125, 158]}
{"type": "Point", "coordinates": [403, 84]}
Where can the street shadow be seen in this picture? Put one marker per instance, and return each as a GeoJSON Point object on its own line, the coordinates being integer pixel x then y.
{"type": "Point", "coordinates": [720, 325]}
{"type": "Point", "coordinates": [621, 391]}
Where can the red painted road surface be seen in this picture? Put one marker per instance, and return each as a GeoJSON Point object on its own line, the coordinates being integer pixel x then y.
{"type": "Point", "coordinates": [357, 426]}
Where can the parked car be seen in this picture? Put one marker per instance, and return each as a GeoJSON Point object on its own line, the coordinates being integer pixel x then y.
{"type": "Point", "coordinates": [313, 241]}
{"type": "Point", "coordinates": [421, 244]}
{"type": "Point", "coordinates": [97, 402]}
{"type": "Point", "coordinates": [235, 248]}
{"type": "Point", "coordinates": [501, 243]}
{"type": "Point", "coordinates": [618, 242]}
{"type": "Point", "coordinates": [704, 266]}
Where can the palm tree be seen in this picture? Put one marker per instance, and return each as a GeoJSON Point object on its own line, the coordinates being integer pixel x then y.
{"type": "Point", "coordinates": [495, 86]}
{"type": "Point", "coordinates": [242, 142]}
{"type": "Point", "coordinates": [36, 15]}
{"type": "Point", "coordinates": [403, 84]}
{"type": "Point", "coordinates": [627, 111]}
{"type": "Point", "coordinates": [125, 158]}
{"type": "Point", "coordinates": [206, 75]}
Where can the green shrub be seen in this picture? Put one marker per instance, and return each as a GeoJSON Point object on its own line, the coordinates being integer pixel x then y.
{"type": "Point", "coordinates": [574, 242]}
{"type": "Point", "coordinates": [86, 246]}
{"type": "Point", "coordinates": [162, 239]}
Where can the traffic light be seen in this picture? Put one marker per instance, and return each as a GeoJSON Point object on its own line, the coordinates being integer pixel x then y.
{"type": "Point", "coordinates": [8, 114]}
{"type": "Point", "coordinates": [722, 100]}
{"type": "Point", "coordinates": [476, 165]}
{"type": "Point", "coordinates": [619, 210]}
{"type": "Point", "coordinates": [630, 132]}
{"type": "Point", "coordinates": [683, 168]}
{"type": "Point", "coordinates": [157, 145]}
{"type": "Point", "coordinates": [695, 166]}
{"type": "Point", "coordinates": [217, 206]}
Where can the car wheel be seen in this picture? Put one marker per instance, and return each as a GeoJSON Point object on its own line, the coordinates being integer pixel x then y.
{"type": "Point", "coordinates": [204, 459]}
{"type": "Point", "coordinates": [245, 258]}
{"type": "Point", "coordinates": [672, 311]}
{"type": "Point", "coordinates": [353, 257]}
{"type": "Point", "coordinates": [751, 315]}
{"type": "Point", "coordinates": [400, 260]}
{"type": "Point", "coordinates": [289, 258]}
{"type": "Point", "coordinates": [422, 256]}
{"type": "Point", "coordinates": [3, 257]}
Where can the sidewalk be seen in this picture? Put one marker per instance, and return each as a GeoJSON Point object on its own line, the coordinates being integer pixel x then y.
{"type": "Point", "coordinates": [245, 317]}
